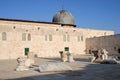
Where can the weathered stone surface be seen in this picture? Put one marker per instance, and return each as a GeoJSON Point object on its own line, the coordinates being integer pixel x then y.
{"type": "Point", "coordinates": [21, 68]}
{"type": "Point", "coordinates": [70, 58]}
{"type": "Point", "coordinates": [53, 67]}
{"type": "Point", "coordinates": [31, 57]}
{"type": "Point", "coordinates": [24, 63]}
{"type": "Point", "coordinates": [104, 53]}
{"type": "Point", "coordinates": [16, 28]}
{"type": "Point", "coordinates": [63, 56]}
{"type": "Point", "coordinates": [21, 61]}
{"type": "Point", "coordinates": [27, 62]}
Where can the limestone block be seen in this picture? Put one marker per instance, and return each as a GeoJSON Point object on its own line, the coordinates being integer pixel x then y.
{"type": "Point", "coordinates": [24, 63]}
{"type": "Point", "coordinates": [63, 56]}
{"type": "Point", "coordinates": [27, 62]}
{"type": "Point", "coordinates": [21, 68]}
{"type": "Point", "coordinates": [70, 58]}
{"type": "Point", "coordinates": [104, 56]}
{"type": "Point", "coordinates": [21, 61]}
{"type": "Point", "coordinates": [53, 67]}
{"type": "Point", "coordinates": [30, 55]}
{"type": "Point", "coordinates": [32, 61]}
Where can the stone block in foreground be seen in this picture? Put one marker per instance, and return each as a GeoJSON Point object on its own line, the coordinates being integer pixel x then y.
{"type": "Point", "coordinates": [54, 67]}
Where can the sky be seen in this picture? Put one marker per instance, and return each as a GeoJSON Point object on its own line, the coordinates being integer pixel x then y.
{"type": "Point", "coordinates": [93, 14]}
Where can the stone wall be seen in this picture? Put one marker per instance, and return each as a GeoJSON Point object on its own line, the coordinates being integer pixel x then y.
{"type": "Point", "coordinates": [111, 43]}
{"type": "Point", "coordinates": [46, 40]}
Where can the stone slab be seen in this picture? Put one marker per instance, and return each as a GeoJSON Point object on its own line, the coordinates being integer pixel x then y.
{"type": "Point", "coordinates": [54, 67]}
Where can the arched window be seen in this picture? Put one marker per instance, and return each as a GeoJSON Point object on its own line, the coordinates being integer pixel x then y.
{"type": "Point", "coordinates": [45, 37]}
{"type": "Point", "coordinates": [3, 36]}
{"type": "Point", "coordinates": [64, 38]}
{"type": "Point", "coordinates": [50, 37]}
{"type": "Point", "coordinates": [82, 38]}
{"type": "Point", "coordinates": [78, 38]}
{"type": "Point", "coordinates": [24, 36]}
{"type": "Point", "coordinates": [29, 37]}
{"type": "Point", "coordinates": [68, 38]}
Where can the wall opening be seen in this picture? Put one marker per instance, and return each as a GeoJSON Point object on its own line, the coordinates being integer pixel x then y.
{"type": "Point", "coordinates": [66, 48]}
{"type": "Point", "coordinates": [4, 36]}
{"type": "Point", "coordinates": [119, 50]}
{"type": "Point", "coordinates": [26, 50]}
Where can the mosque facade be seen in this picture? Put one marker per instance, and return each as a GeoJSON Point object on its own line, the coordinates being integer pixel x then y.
{"type": "Point", "coordinates": [45, 39]}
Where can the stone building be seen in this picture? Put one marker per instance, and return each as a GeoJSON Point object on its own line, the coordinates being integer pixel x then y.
{"type": "Point", "coordinates": [110, 43]}
{"type": "Point", "coordinates": [45, 39]}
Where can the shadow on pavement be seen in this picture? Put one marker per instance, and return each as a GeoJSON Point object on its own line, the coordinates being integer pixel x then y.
{"type": "Point", "coordinates": [84, 71]}
{"type": "Point", "coordinates": [89, 72]}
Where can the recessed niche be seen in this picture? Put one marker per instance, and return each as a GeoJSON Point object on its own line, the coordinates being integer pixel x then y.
{"type": "Point", "coordinates": [38, 28]}
{"type": "Point", "coordinates": [14, 27]}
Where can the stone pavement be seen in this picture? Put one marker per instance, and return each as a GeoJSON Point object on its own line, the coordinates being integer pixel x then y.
{"type": "Point", "coordinates": [82, 70]}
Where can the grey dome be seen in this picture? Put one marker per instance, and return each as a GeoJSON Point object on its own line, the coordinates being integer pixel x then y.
{"type": "Point", "coordinates": [63, 17]}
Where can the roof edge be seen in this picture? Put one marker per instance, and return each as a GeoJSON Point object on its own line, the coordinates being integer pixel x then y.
{"type": "Point", "coordinates": [21, 20]}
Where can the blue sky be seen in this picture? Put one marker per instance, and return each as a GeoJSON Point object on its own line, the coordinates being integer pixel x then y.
{"type": "Point", "coordinates": [96, 14]}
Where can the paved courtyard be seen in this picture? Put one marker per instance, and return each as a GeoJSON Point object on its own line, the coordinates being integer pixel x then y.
{"type": "Point", "coordinates": [82, 70]}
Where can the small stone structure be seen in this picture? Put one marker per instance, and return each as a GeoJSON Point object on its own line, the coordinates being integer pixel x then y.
{"type": "Point", "coordinates": [31, 57]}
{"type": "Point", "coordinates": [63, 56]}
{"type": "Point", "coordinates": [99, 55]}
{"type": "Point", "coordinates": [104, 53]}
{"type": "Point", "coordinates": [24, 63]}
{"type": "Point", "coordinates": [66, 56]}
{"type": "Point", "coordinates": [102, 57]}
{"type": "Point", "coordinates": [96, 55]}
{"type": "Point", "coordinates": [70, 57]}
